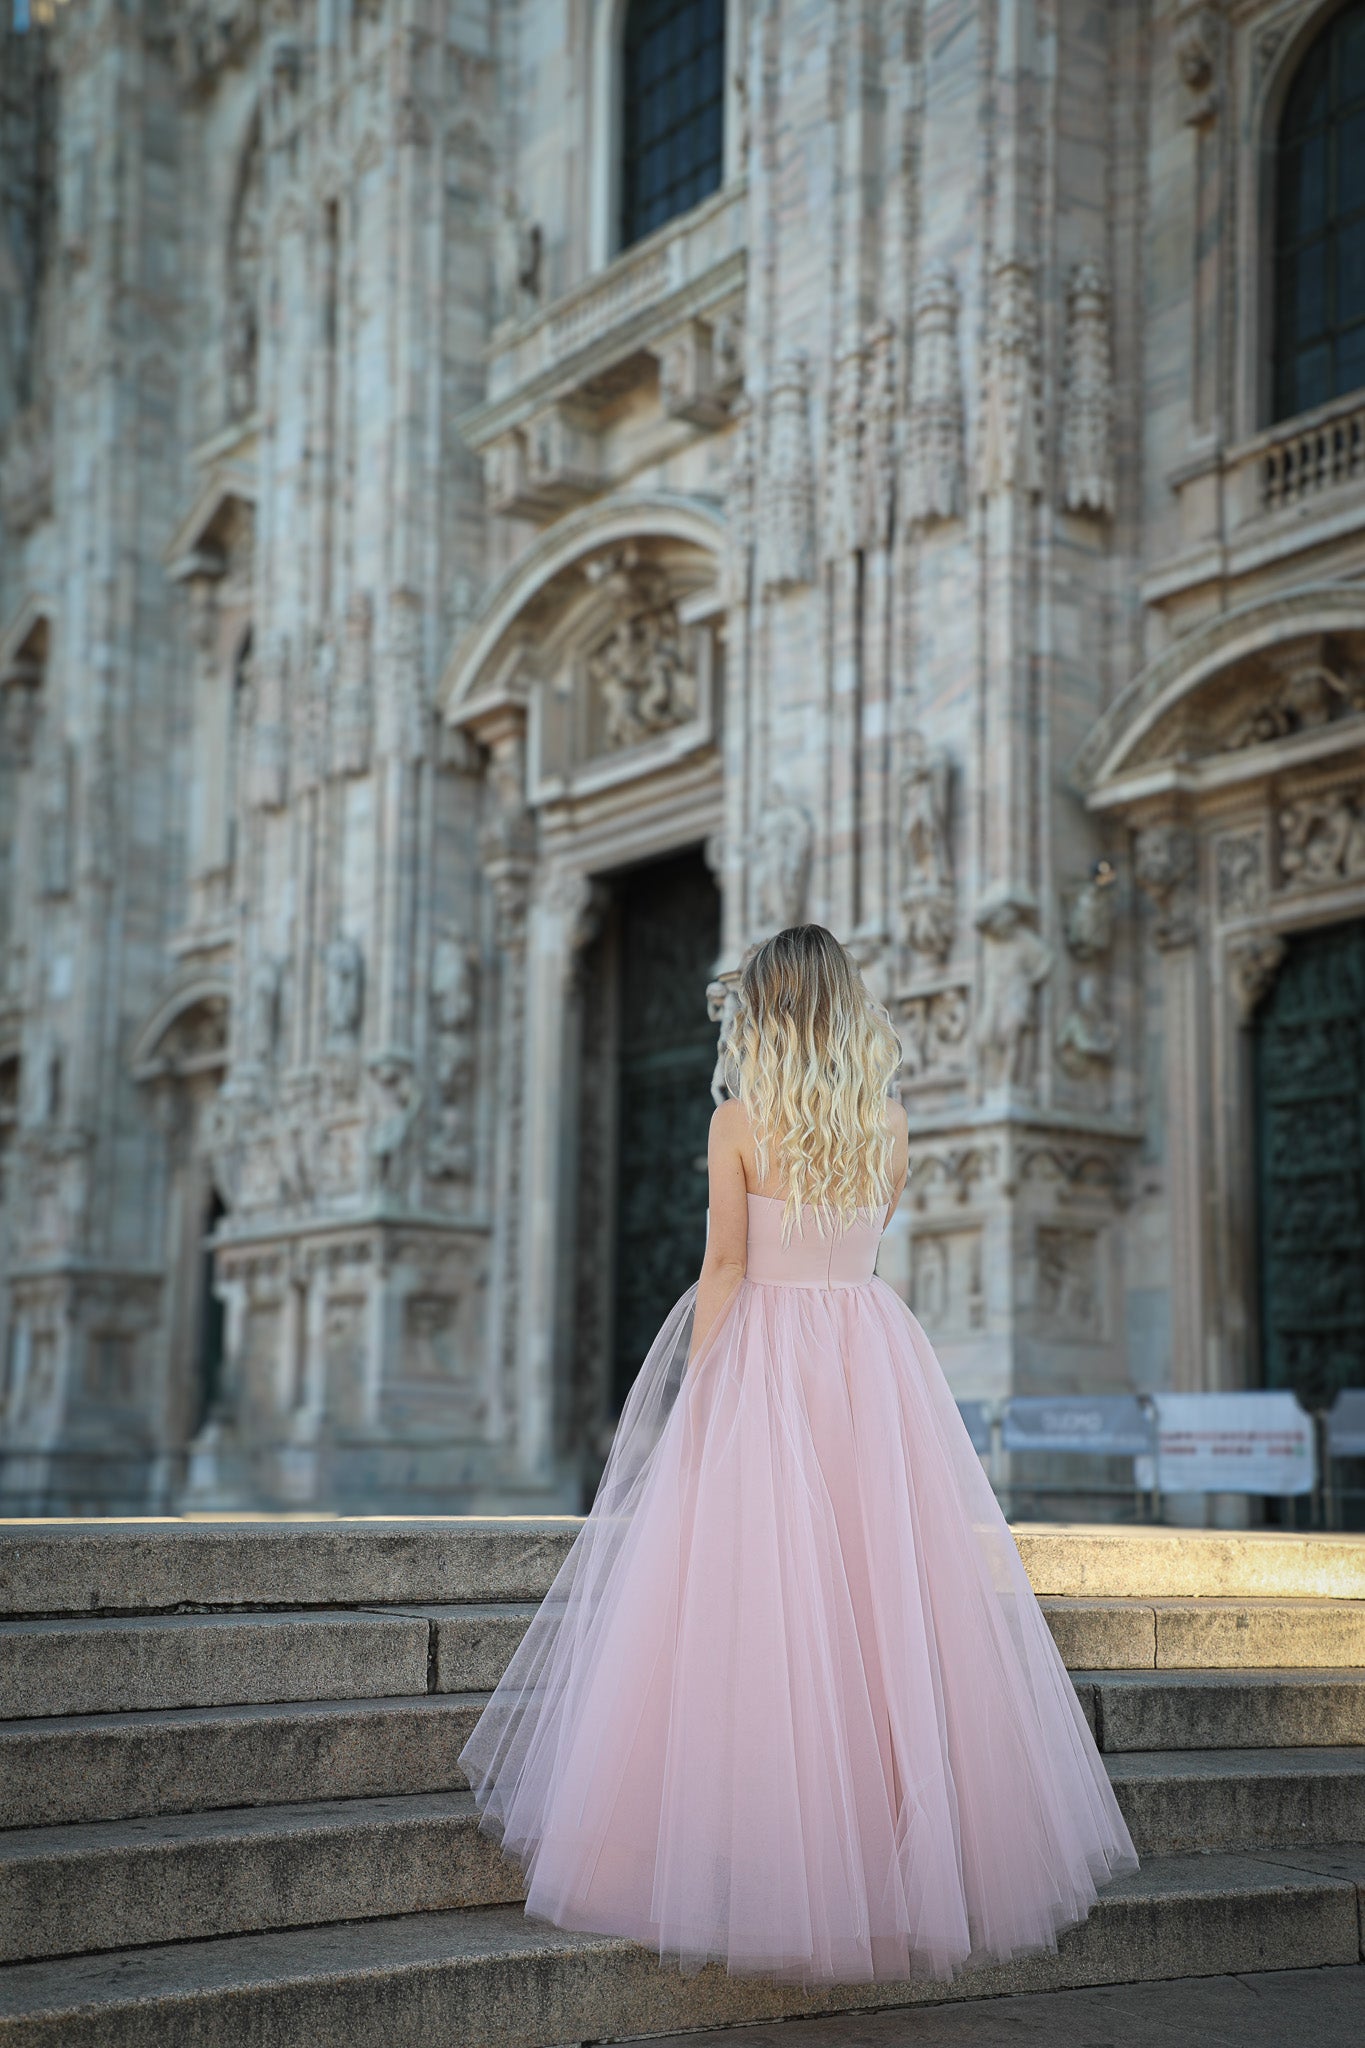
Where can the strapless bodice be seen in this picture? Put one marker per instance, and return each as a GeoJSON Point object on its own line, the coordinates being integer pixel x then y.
{"type": "Point", "coordinates": [837, 1258]}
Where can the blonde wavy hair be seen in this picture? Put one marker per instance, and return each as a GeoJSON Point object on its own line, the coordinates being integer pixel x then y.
{"type": "Point", "coordinates": [810, 1056]}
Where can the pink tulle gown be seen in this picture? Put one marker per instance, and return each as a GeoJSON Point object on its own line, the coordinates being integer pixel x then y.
{"type": "Point", "coordinates": [791, 1703]}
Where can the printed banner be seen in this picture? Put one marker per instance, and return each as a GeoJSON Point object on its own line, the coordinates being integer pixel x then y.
{"type": "Point", "coordinates": [1107, 1425]}
{"type": "Point", "coordinates": [1234, 1443]}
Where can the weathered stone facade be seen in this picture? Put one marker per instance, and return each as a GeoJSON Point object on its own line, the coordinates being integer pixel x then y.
{"type": "Point", "coordinates": [389, 562]}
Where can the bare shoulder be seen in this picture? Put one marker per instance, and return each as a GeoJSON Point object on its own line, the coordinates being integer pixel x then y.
{"type": "Point", "coordinates": [896, 1117]}
{"type": "Point", "coordinates": [729, 1124]}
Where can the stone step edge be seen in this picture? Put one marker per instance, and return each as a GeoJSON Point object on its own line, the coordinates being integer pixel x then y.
{"type": "Point", "coordinates": [43, 1570]}
{"type": "Point", "coordinates": [1179, 1916]}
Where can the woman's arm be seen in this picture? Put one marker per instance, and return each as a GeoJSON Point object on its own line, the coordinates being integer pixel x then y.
{"type": "Point", "coordinates": [727, 1236]}
{"type": "Point", "coordinates": [900, 1153]}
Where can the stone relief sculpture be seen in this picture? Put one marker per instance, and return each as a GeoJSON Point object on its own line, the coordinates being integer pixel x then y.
{"type": "Point", "coordinates": [781, 852]}
{"type": "Point", "coordinates": [344, 995]}
{"type": "Point", "coordinates": [787, 504]}
{"type": "Point", "coordinates": [928, 901]}
{"type": "Point", "coordinates": [1015, 964]}
{"type": "Point", "coordinates": [722, 1007]}
{"type": "Point", "coordinates": [933, 1033]}
{"type": "Point", "coordinates": [1088, 480]}
{"type": "Point", "coordinates": [1199, 43]}
{"type": "Point", "coordinates": [1092, 913]}
{"type": "Point", "coordinates": [1311, 692]}
{"type": "Point", "coordinates": [1241, 874]}
{"type": "Point", "coordinates": [1088, 1037]}
{"type": "Point", "coordinates": [1254, 959]}
{"type": "Point", "coordinates": [450, 1151]}
{"type": "Point", "coordinates": [354, 709]}
{"type": "Point", "coordinates": [1012, 447]}
{"type": "Point", "coordinates": [395, 1099]}
{"type": "Point", "coordinates": [1166, 866]}
{"type": "Point", "coordinates": [639, 672]}
{"type": "Point", "coordinates": [1322, 838]}
{"type": "Point", "coordinates": [520, 259]}
{"type": "Point", "coordinates": [934, 456]}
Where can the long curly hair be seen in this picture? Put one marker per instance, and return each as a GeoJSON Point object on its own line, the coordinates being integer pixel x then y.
{"type": "Point", "coordinates": [810, 1056]}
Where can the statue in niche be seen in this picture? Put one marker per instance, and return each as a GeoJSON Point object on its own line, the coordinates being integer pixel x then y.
{"type": "Point", "coordinates": [1089, 1036]}
{"type": "Point", "coordinates": [1015, 964]}
{"type": "Point", "coordinates": [782, 848]}
{"type": "Point", "coordinates": [263, 1012]}
{"type": "Point", "coordinates": [450, 1155]}
{"type": "Point", "coordinates": [344, 993]}
{"type": "Point", "coordinates": [397, 1097]}
{"type": "Point", "coordinates": [927, 896]}
{"type": "Point", "coordinates": [1091, 914]}
{"type": "Point", "coordinates": [521, 251]}
{"type": "Point", "coordinates": [639, 672]}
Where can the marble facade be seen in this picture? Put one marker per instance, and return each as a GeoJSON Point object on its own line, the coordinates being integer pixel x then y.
{"type": "Point", "coordinates": [387, 560]}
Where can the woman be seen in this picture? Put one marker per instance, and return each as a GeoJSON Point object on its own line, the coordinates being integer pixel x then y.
{"type": "Point", "coordinates": [791, 1703]}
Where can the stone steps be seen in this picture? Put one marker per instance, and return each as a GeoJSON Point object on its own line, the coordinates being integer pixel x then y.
{"type": "Point", "coordinates": [1246, 1709]}
{"type": "Point", "coordinates": [77, 1888]}
{"type": "Point", "coordinates": [80, 1768]}
{"type": "Point", "coordinates": [94, 1767]}
{"type": "Point", "coordinates": [231, 1808]}
{"type": "Point", "coordinates": [1192, 1633]}
{"type": "Point", "coordinates": [489, 1979]}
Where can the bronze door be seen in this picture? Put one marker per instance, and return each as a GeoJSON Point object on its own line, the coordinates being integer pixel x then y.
{"type": "Point", "coordinates": [669, 932]}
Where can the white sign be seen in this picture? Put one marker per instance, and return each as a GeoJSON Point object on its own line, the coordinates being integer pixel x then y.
{"type": "Point", "coordinates": [1234, 1443]}
{"type": "Point", "coordinates": [1346, 1424]}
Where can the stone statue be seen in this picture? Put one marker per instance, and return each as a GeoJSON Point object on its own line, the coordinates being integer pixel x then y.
{"type": "Point", "coordinates": [1015, 964]}
{"type": "Point", "coordinates": [520, 257]}
{"type": "Point", "coordinates": [1091, 914]}
{"type": "Point", "coordinates": [344, 966]}
{"type": "Point", "coordinates": [452, 997]}
{"type": "Point", "coordinates": [262, 1012]}
{"type": "Point", "coordinates": [722, 1007]}
{"type": "Point", "coordinates": [927, 896]}
{"type": "Point", "coordinates": [639, 670]}
{"type": "Point", "coordinates": [397, 1097]}
{"type": "Point", "coordinates": [782, 848]}
{"type": "Point", "coordinates": [1088, 1036]}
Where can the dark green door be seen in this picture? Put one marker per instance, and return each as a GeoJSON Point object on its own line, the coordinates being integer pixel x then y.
{"type": "Point", "coordinates": [1310, 1114]}
{"type": "Point", "coordinates": [669, 932]}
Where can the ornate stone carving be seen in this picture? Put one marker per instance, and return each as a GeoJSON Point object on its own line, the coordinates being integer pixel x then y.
{"type": "Point", "coordinates": [354, 710]}
{"type": "Point", "coordinates": [1088, 1037]}
{"type": "Point", "coordinates": [934, 458]}
{"type": "Point", "coordinates": [787, 510]}
{"type": "Point", "coordinates": [722, 1007]}
{"type": "Point", "coordinates": [344, 993]}
{"type": "Point", "coordinates": [212, 33]}
{"type": "Point", "coordinates": [395, 1099]}
{"type": "Point", "coordinates": [1253, 962]}
{"type": "Point", "coordinates": [450, 1149]}
{"type": "Point", "coordinates": [1068, 1295]}
{"type": "Point", "coordinates": [1240, 863]}
{"type": "Point", "coordinates": [933, 1033]}
{"type": "Point", "coordinates": [954, 1170]}
{"type": "Point", "coordinates": [506, 836]}
{"type": "Point", "coordinates": [1322, 839]}
{"type": "Point", "coordinates": [1012, 446]}
{"type": "Point", "coordinates": [1091, 913]}
{"type": "Point", "coordinates": [781, 856]}
{"type": "Point", "coordinates": [1311, 692]}
{"type": "Point", "coordinates": [1199, 49]}
{"type": "Point", "coordinates": [928, 898]}
{"type": "Point", "coordinates": [639, 672]}
{"type": "Point", "coordinates": [1165, 865]}
{"type": "Point", "coordinates": [1088, 482]}
{"type": "Point", "coordinates": [843, 467]}
{"type": "Point", "coordinates": [1015, 964]}
{"type": "Point", "coordinates": [690, 375]}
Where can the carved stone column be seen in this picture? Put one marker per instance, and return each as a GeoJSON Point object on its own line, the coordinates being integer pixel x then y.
{"type": "Point", "coordinates": [1166, 869]}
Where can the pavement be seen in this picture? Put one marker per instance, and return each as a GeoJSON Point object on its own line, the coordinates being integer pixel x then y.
{"type": "Point", "coordinates": [1270, 2009]}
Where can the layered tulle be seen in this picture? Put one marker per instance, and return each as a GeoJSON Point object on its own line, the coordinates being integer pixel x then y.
{"type": "Point", "coordinates": [791, 1703]}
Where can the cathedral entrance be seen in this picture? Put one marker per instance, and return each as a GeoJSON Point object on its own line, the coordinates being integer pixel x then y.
{"type": "Point", "coordinates": [1310, 1140]}
{"type": "Point", "coordinates": [667, 918]}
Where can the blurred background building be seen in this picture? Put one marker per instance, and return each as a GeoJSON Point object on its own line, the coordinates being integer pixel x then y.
{"type": "Point", "coordinates": [503, 503]}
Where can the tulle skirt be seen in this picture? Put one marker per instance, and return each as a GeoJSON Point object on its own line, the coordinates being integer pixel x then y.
{"type": "Point", "coordinates": [790, 1703]}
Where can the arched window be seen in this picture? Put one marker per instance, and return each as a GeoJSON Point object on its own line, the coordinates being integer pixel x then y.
{"type": "Point", "coordinates": [1320, 222]}
{"type": "Point", "coordinates": [672, 104]}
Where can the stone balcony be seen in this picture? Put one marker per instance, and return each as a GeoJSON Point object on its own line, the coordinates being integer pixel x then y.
{"type": "Point", "coordinates": [1292, 488]}
{"type": "Point", "coordinates": [626, 366]}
